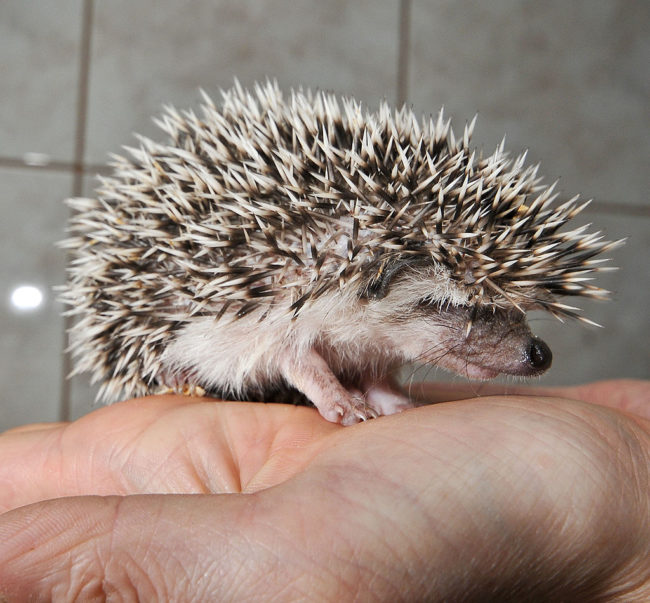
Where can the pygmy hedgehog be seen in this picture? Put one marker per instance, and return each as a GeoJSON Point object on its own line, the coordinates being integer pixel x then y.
{"type": "Point", "coordinates": [304, 243]}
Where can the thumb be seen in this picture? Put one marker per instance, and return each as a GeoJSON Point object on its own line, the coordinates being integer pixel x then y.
{"type": "Point", "coordinates": [171, 548]}
{"type": "Point", "coordinates": [149, 547]}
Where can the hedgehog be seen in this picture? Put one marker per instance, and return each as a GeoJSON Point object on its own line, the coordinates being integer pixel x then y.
{"type": "Point", "coordinates": [303, 243]}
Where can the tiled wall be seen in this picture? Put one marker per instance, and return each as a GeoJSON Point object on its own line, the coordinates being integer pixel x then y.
{"type": "Point", "coordinates": [567, 80]}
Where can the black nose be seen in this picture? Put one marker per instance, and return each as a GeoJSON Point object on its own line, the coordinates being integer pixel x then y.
{"type": "Point", "coordinates": [539, 355]}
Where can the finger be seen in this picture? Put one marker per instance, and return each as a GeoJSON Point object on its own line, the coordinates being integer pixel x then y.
{"type": "Point", "coordinates": [162, 444]}
{"type": "Point", "coordinates": [40, 427]}
{"type": "Point", "coordinates": [632, 396]}
{"type": "Point", "coordinates": [93, 548]}
{"type": "Point", "coordinates": [433, 392]}
{"type": "Point", "coordinates": [172, 548]}
{"type": "Point", "coordinates": [629, 395]}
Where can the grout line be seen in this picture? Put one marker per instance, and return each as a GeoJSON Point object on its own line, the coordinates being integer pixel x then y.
{"type": "Point", "coordinates": [78, 173]}
{"type": "Point", "coordinates": [403, 51]}
{"type": "Point", "coordinates": [82, 97]}
{"type": "Point", "coordinates": [619, 209]}
{"type": "Point", "coordinates": [53, 165]}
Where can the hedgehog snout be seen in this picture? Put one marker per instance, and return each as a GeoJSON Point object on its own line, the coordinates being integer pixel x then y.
{"type": "Point", "coordinates": [505, 344]}
{"type": "Point", "coordinates": [482, 343]}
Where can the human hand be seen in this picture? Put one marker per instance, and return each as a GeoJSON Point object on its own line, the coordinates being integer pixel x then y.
{"type": "Point", "coordinates": [169, 498]}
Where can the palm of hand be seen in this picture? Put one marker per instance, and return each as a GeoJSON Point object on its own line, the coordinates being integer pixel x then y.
{"type": "Point", "coordinates": [507, 491]}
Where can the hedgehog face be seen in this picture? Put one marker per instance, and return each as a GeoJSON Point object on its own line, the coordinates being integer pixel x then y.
{"type": "Point", "coordinates": [429, 318]}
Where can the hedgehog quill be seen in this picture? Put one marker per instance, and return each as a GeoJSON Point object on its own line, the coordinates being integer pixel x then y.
{"type": "Point", "coordinates": [302, 243]}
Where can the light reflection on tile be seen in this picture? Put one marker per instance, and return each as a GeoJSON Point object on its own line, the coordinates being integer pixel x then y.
{"type": "Point", "coordinates": [31, 342]}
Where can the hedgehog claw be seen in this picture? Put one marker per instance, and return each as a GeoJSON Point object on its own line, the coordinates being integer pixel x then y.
{"type": "Point", "coordinates": [356, 409]}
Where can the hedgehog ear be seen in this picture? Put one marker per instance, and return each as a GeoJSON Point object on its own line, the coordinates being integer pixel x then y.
{"type": "Point", "coordinates": [378, 286]}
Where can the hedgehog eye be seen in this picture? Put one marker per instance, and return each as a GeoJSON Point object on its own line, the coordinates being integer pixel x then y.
{"type": "Point", "coordinates": [379, 286]}
{"type": "Point", "coordinates": [376, 289]}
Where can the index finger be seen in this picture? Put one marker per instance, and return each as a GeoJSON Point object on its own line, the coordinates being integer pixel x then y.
{"type": "Point", "coordinates": [628, 395]}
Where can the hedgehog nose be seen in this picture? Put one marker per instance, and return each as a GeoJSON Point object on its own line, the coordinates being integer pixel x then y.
{"type": "Point", "coordinates": [539, 355]}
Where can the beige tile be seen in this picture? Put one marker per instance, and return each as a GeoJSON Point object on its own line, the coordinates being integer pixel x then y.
{"type": "Point", "coordinates": [150, 53]}
{"type": "Point", "coordinates": [33, 218]}
{"type": "Point", "coordinates": [39, 45]}
{"type": "Point", "coordinates": [567, 80]}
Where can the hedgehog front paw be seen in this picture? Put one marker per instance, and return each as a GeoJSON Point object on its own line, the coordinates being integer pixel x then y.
{"type": "Point", "coordinates": [386, 398]}
{"type": "Point", "coordinates": [349, 410]}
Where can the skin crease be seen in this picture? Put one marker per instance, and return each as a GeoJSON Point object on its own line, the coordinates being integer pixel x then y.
{"type": "Point", "coordinates": [541, 495]}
